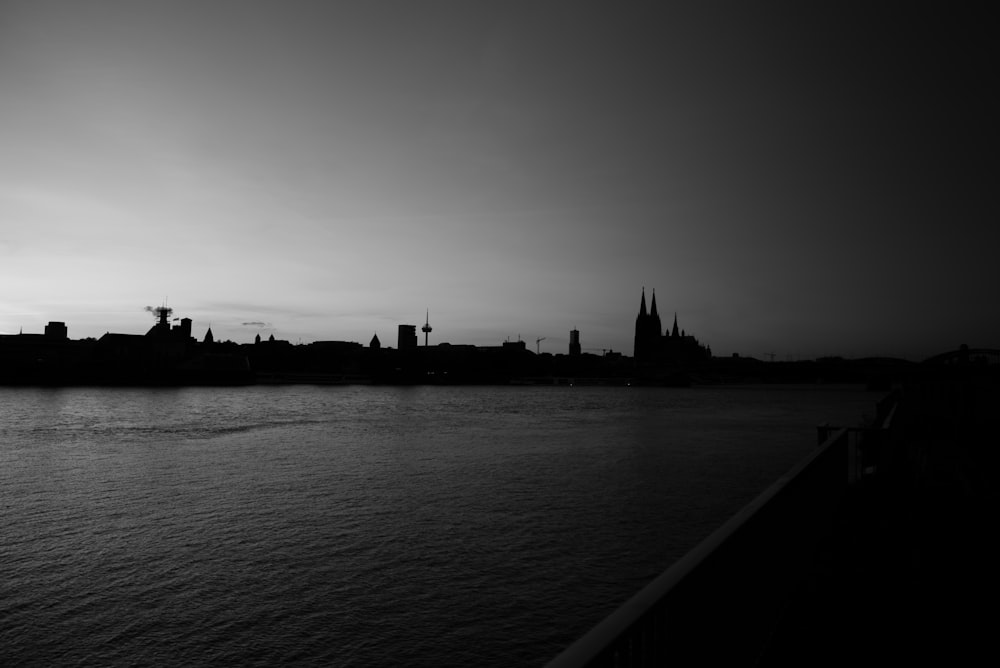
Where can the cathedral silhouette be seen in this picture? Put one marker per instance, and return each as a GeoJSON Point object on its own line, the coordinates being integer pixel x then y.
{"type": "Point", "coordinates": [657, 353]}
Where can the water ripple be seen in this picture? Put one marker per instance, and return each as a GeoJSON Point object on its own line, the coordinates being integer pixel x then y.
{"type": "Point", "coordinates": [362, 526]}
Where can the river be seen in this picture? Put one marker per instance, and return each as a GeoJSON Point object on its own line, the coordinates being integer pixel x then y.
{"type": "Point", "coordinates": [364, 525]}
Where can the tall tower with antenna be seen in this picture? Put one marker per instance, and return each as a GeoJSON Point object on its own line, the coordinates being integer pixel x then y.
{"type": "Point", "coordinates": [426, 329]}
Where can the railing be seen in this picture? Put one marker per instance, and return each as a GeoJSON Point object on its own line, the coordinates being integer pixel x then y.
{"type": "Point", "coordinates": [718, 604]}
{"type": "Point", "coordinates": [874, 449]}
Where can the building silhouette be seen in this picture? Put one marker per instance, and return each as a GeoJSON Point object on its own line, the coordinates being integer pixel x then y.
{"type": "Point", "coordinates": [407, 339]}
{"type": "Point", "coordinates": [647, 331]}
{"type": "Point", "coordinates": [168, 354]}
{"type": "Point", "coordinates": [56, 331]}
{"type": "Point", "coordinates": [574, 342]}
{"type": "Point", "coordinates": [660, 356]}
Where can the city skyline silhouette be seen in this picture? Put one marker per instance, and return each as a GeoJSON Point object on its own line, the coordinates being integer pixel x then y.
{"type": "Point", "coordinates": [797, 182]}
{"type": "Point", "coordinates": [170, 353]}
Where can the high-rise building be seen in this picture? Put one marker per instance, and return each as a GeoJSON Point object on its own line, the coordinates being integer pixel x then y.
{"type": "Point", "coordinates": [574, 342]}
{"type": "Point", "coordinates": [407, 337]}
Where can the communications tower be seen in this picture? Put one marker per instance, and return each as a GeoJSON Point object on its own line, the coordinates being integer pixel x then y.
{"type": "Point", "coordinates": [426, 329]}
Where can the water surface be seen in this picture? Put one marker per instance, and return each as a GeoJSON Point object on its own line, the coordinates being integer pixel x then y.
{"type": "Point", "coordinates": [364, 525]}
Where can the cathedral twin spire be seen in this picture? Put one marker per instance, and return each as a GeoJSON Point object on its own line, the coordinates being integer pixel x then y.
{"type": "Point", "coordinates": [653, 316]}
{"type": "Point", "coordinates": [648, 329]}
{"type": "Point", "coordinates": [651, 320]}
{"type": "Point", "coordinates": [653, 345]}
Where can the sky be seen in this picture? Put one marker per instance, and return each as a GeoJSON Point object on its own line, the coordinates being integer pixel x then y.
{"type": "Point", "coordinates": [791, 180]}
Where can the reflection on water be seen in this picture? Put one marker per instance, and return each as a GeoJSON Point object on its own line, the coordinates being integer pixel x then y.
{"type": "Point", "coordinates": [364, 525]}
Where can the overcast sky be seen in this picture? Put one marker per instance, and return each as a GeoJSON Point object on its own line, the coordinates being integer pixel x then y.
{"type": "Point", "coordinates": [794, 181]}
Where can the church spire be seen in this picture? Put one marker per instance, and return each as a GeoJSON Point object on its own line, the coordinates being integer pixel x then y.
{"type": "Point", "coordinates": [642, 305]}
{"type": "Point", "coordinates": [655, 328]}
{"type": "Point", "coordinates": [674, 331]}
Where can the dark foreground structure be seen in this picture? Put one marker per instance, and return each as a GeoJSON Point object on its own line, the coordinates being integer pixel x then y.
{"type": "Point", "coordinates": [876, 550]}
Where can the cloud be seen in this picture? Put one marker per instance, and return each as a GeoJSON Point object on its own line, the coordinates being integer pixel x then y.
{"type": "Point", "coordinates": [256, 324]}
